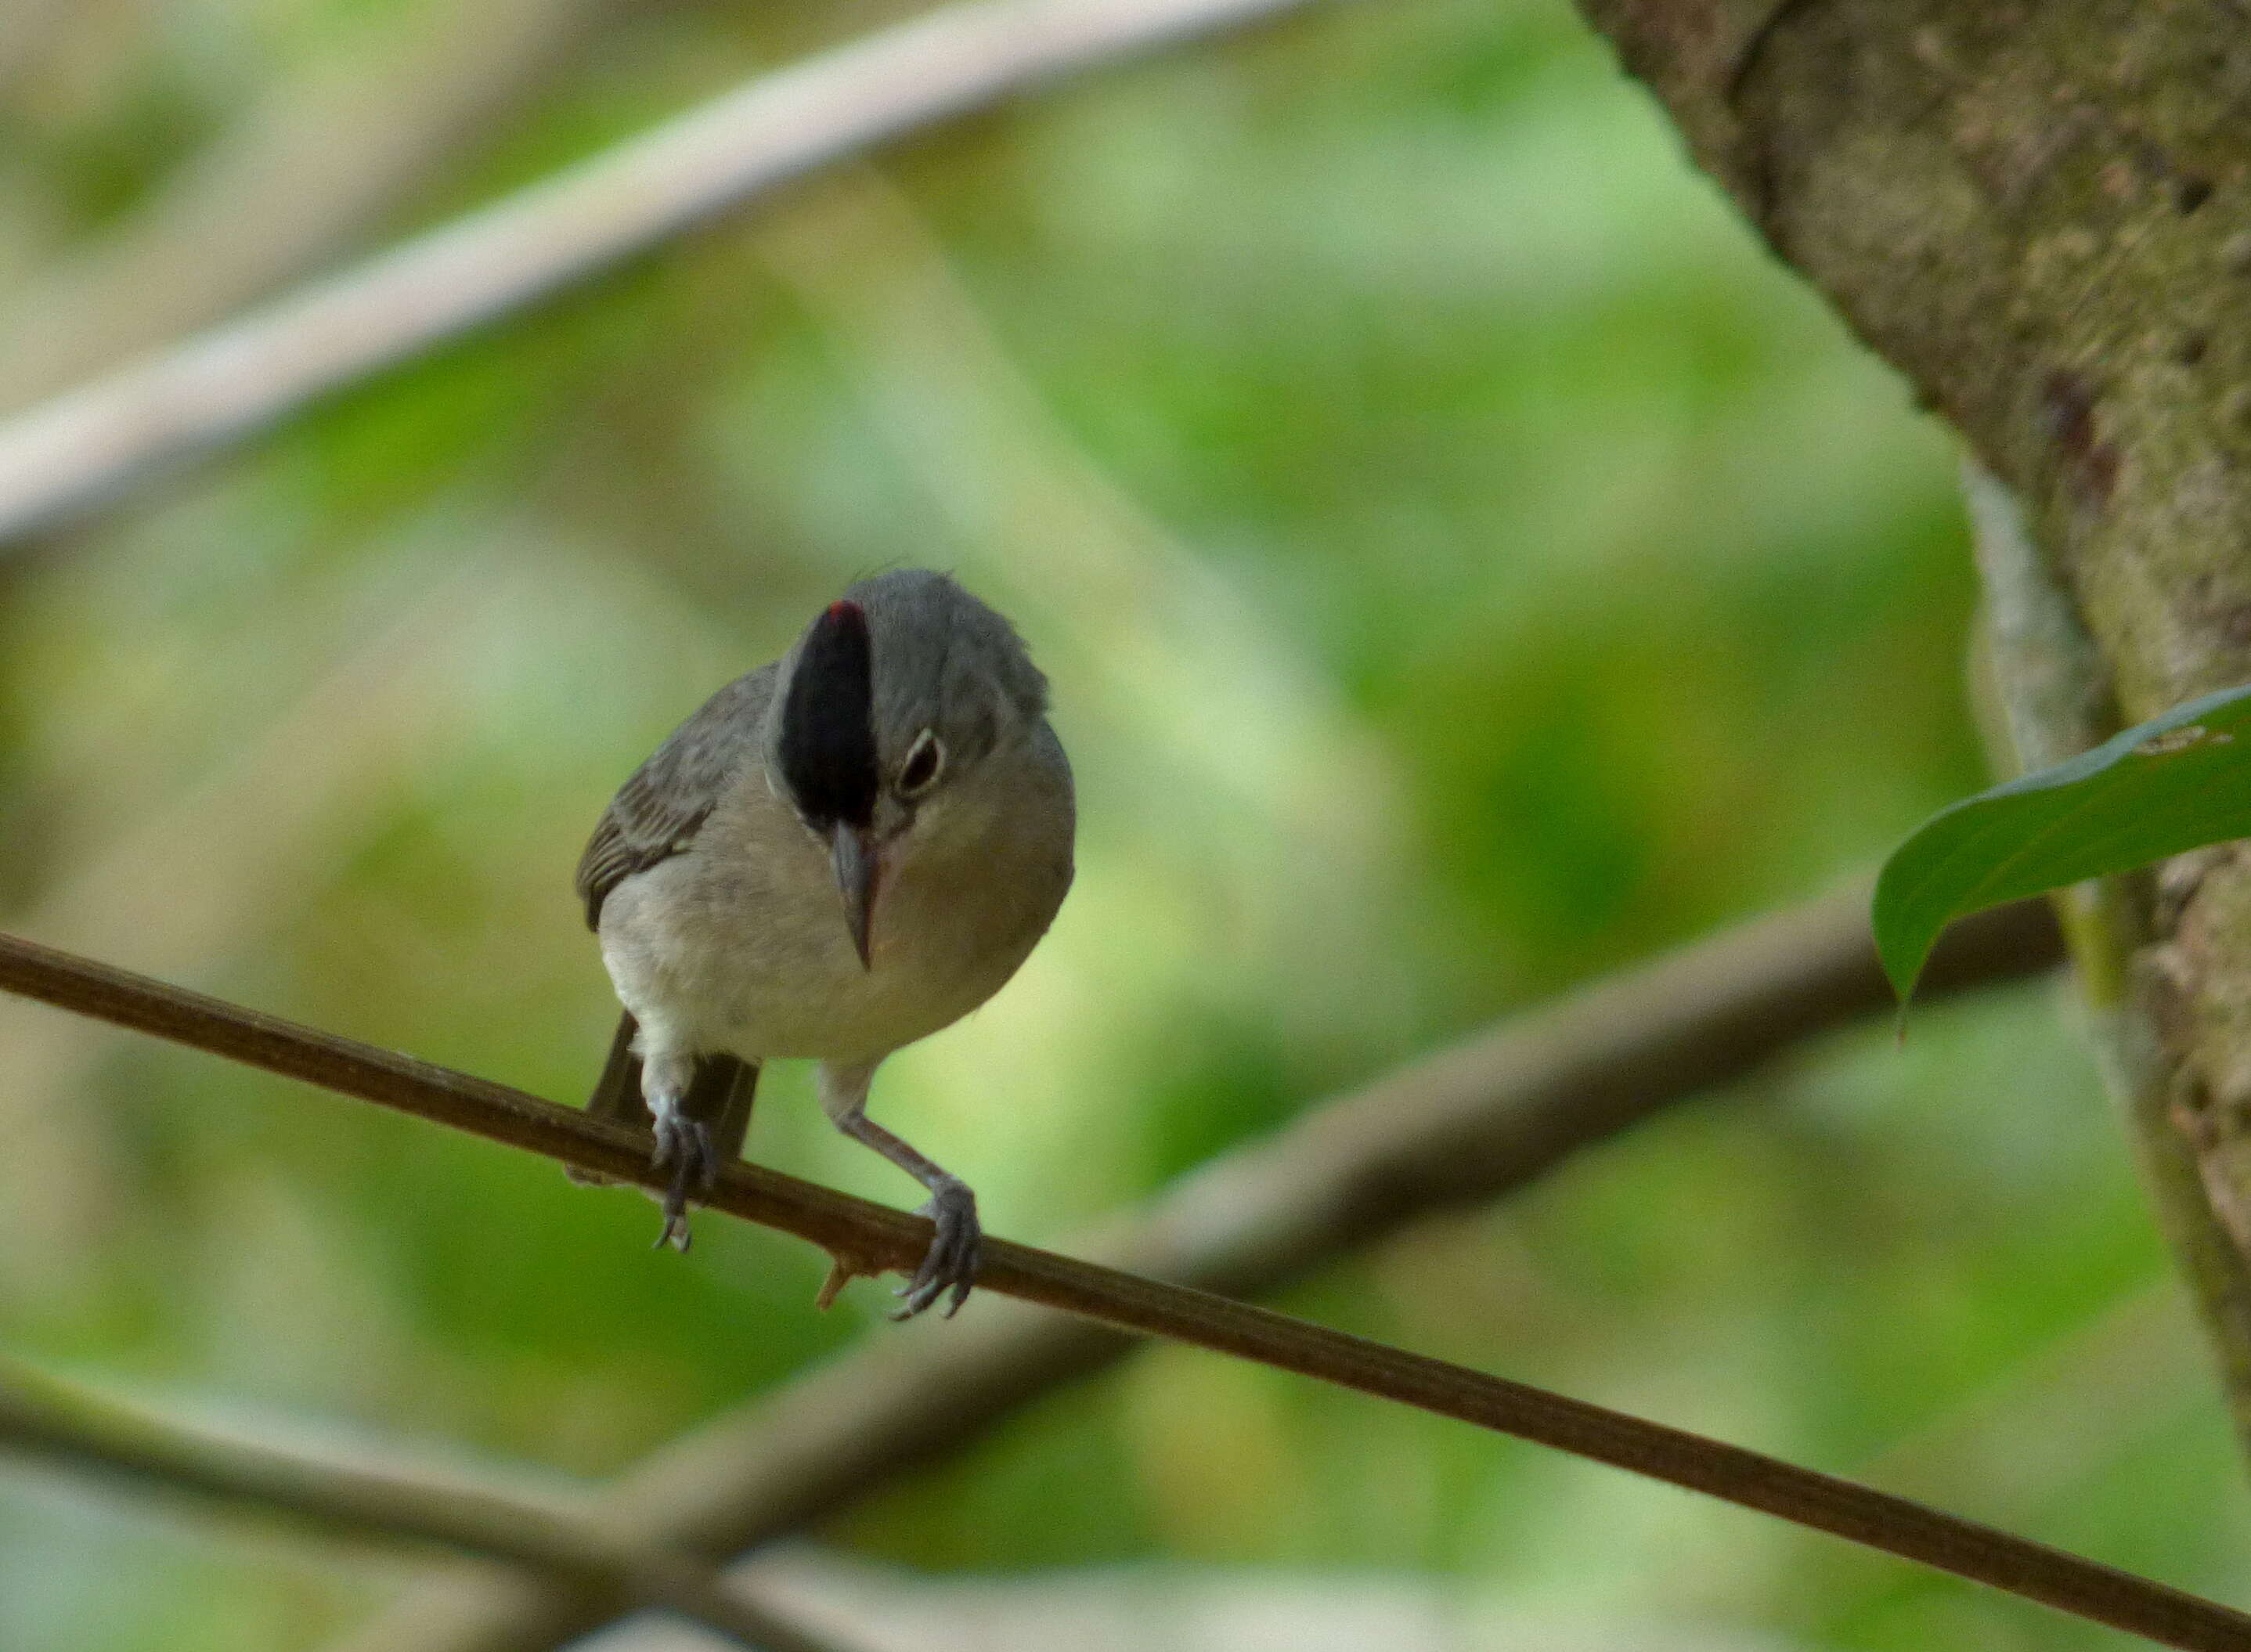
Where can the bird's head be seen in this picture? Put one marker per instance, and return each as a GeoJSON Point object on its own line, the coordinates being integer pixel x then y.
{"type": "Point", "coordinates": [892, 705]}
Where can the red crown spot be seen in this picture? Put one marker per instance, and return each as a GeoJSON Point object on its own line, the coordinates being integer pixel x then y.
{"type": "Point", "coordinates": [840, 612]}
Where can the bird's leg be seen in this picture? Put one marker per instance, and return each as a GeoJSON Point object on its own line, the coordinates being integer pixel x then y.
{"type": "Point", "coordinates": [950, 1265]}
{"type": "Point", "coordinates": [682, 1142]}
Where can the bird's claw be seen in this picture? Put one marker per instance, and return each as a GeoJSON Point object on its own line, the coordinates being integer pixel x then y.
{"type": "Point", "coordinates": [684, 1143]}
{"type": "Point", "coordinates": [949, 1266]}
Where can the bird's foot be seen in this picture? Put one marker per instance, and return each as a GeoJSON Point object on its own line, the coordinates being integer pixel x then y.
{"type": "Point", "coordinates": [950, 1265]}
{"type": "Point", "coordinates": [684, 1143]}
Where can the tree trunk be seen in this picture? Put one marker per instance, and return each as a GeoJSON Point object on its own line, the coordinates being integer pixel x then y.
{"type": "Point", "coordinates": [2040, 213]}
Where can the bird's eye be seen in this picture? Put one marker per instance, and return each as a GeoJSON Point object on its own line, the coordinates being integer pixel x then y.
{"type": "Point", "coordinates": [924, 759]}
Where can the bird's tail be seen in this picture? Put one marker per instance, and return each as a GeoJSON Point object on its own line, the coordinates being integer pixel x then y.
{"type": "Point", "coordinates": [720, 1095]}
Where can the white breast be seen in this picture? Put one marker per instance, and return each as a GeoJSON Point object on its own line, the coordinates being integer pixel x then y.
{"type": "Point", "coordinates": [740, 944]}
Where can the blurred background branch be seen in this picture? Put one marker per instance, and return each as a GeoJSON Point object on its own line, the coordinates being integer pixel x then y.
{"type": "Point", "coordinates": [890, 1609]}
{"type": "Point", "coordinates": [93, 442]}
{"type": "Point", "coordinates": [24, 29]}
{"type": "Point", "coordinates": [318, 162]}
{"type": "Point", "coordinates": [46, 1418]}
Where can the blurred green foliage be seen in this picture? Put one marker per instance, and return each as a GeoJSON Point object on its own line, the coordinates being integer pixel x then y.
{"type": "Point", "coordinates": [1466, 563]}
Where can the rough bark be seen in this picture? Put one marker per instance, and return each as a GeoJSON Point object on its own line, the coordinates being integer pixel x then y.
{"type": "Point", "coordinates": [2041, 212]}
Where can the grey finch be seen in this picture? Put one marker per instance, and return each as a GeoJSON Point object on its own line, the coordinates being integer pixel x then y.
{"type": "Point", "coordinates": [838, 854]}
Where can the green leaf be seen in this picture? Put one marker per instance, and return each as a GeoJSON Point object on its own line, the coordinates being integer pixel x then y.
{"type": "Point", "coordinates": [2172, 784]}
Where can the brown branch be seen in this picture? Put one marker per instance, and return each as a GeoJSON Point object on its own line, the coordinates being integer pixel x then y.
{"type": "Point", "coordinates": [254, 823]}
{"type": "Point", "coordinates": [43, 1417]}
{"type": "Point", "coordinates": [854, 1229]}
{"type": "Point", "coordinates": [222, 385]}
{"type": "Point", "coordinates": [1499, 1110]}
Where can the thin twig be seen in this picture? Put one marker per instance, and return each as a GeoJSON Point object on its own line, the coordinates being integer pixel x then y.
{"type": "Point", "coordinates": [873, 1235]}
{"type": "Point", "coordinates": [44, 1417]}
{"type": "Point", "coordinates": [252, 824]}
{"type": "Point", "coordinates": [222, 385]}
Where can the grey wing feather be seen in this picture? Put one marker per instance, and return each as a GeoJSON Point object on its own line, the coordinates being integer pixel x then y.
{"type": "Point", "coordinates": [655, 813]}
